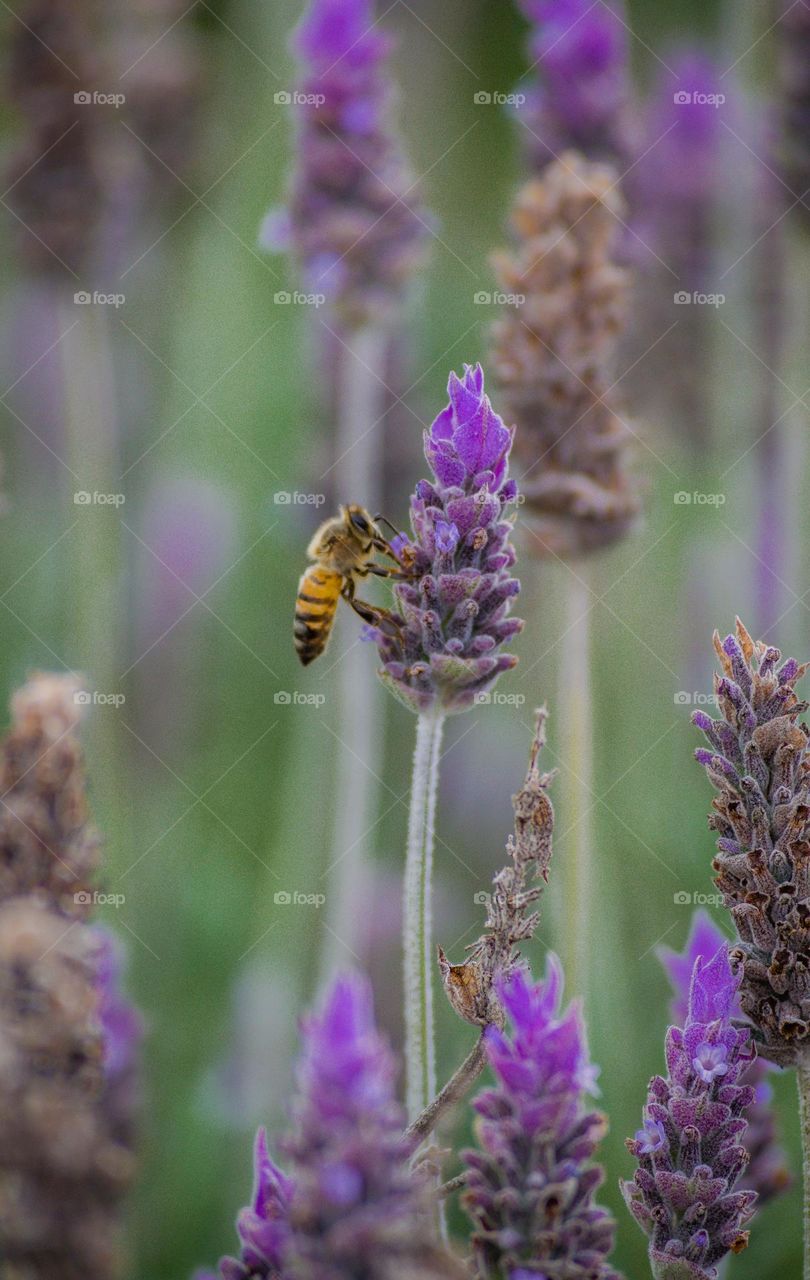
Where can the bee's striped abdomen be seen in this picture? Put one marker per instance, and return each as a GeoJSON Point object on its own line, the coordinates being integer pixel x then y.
{"type": "Point", "coordinates": [318, 594]}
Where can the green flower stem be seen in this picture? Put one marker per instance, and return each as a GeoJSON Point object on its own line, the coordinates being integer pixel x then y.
{"type": "Point", "coordinates": [576, 783]}
{"type": "Point", "coordinates": [803, 1079]}
{"type": "Point", "coordinates": [361, 702]}
{"type": "Point", "coordinates": [420, 1061]}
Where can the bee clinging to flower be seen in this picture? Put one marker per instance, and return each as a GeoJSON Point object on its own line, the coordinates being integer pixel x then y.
{"type": "Point", "coordinates": [342, 550]}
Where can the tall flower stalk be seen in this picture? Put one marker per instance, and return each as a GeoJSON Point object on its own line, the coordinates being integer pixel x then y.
{"type": "Point", "coordinates": [530, 1187]}
{"type": "Point", "coordinates": [358, 234]}
{"type": "Point", "coordinates": [758, 761]}
{"type": "Point", "coordinates": [443, 651]}
{"type": "Point", "coordinates": [684, 1194]}
{"type": "Point", "coordinates": [554, 355]}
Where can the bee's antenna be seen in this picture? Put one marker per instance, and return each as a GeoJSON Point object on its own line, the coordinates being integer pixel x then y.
{"type": "Point", "coordinates": [391, 526]}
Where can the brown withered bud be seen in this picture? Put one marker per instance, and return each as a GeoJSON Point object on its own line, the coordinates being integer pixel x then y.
{"type": "Point", "coordinates": [469, 986]}
{"type": "Point", "coordinates": [61, 1172]}
{"type": "Point", "coordinates": [554, 354]}
{"type": "Point", "coordinates": [46, 841]}
{"type": "Point", "coordinates": [55, 175]}
{"type": "Point", "coordinates": [66, 1158]}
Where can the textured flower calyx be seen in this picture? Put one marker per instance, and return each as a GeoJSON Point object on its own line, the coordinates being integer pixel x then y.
{"type": "Point", "coordinates": [554, 357]}
{"type": "Point", "coordinates": [759, 763]}
{"type": "Point", "coordinates": [353, 219]}
{"type": "Point", "coordinates": [685, 1194]}
{"type": "Point", "coordinates": [582, 96]}
{"type": "Point", "coordinates": [453, 611]}
{"type": "Point", "coordinates": [767, 1171]}
{"type": "Point", "coordinates": [530, 1186]}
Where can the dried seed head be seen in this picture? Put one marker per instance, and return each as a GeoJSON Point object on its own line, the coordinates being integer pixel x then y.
{"type": "Point", "coordinates": [554, 356]}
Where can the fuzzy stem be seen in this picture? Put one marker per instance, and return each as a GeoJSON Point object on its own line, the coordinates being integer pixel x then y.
{"type": "Point", "coordinates": [577, 782]}
{"type": "Point", "coordinates": [453, 1091]}
{"type": "Point", "coordinates": [420, 1063]}
{"type": "Point", "coordinates": [361, 711]}
{"type": "Point", "coordinates": [803, 1080]}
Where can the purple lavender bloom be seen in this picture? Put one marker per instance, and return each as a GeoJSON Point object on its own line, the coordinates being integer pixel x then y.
{"type": "Point", "coordinates": [352, 222]}
{"type": "Point", "coordinates": [357, 1210]}
{"type": "Point", "coordinates": [453, 614]}
{"type": "Point", "coordinates": [263, 1225]}
{"type": "Point", "coordinates": [758, 761]}
{"type": "Point", "coordinates": [530, 1187]}
{"type": "Point", "coordinates": [685, 1194]}
{"type": "Point", "coordinates": [767, 1171]}
{"type": "Point", "coordinates": [581, 99]}
{"type": "Point", "coordinates": [122, 1026]}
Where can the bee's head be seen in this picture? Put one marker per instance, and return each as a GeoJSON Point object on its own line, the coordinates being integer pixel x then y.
{"type": "Point", "coordinates": [360, 523]}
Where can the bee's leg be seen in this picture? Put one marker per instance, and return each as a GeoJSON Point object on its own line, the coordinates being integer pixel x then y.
{"type": "Point", "coordinates": [385, 548]}
{"type": "Point", "coordinates": [387, 571]}
{"type": "Point", "coordinates": [374, 616]}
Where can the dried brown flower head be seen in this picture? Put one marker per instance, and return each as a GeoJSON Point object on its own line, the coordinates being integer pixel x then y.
{"type": "Point", "coordinates": [470, 985]}
{"type": "Point", "coordinates": [554, 352]}
{"type": "Point", "coordinates": [64, 1166]}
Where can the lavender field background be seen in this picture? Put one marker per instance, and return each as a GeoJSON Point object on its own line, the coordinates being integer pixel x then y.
{"type": "Point", "coordinates": [169, 449]}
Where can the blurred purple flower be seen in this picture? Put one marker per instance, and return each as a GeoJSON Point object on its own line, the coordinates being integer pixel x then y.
{"type": "Point", "coordinates": [686, 1194]}
{"type": "Point", "coordinates": [351, 219]}
{"type": "Point", "coordinates": [581, 98]}
{"type": "Point", "coordinates": [530, 1187]}
{"type": "Point", "coordinates": [263, 1225]}
{"type": "Point", "coordinates": [190, 529]}
{"type": "Point", "coordinates": [121, 1023]}
{"type": "Point", "coordinates": [356, 1206]}
{"type": "Point", "coordinates": [678, 181]}
{"type": "Point", "coordinates": [454, 612]}
{"type": "Point", "coordinates": [767, 1172]}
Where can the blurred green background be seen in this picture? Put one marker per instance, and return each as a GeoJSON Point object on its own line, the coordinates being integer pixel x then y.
{"type": "Point", "coordinates": [212, 796]}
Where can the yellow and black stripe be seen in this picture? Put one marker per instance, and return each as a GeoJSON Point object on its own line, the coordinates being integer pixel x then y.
{"type": "Point", "coordinates": [315, 607]}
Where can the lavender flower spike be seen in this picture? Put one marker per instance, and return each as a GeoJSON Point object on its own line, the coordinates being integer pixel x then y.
{"type": "Point", "coordinates": [758, 761]}
{"type": "Point", "coordinates": [689, 1150]}
{"type": "Point", "coordinates": [357, 1210]}
{"type": "Point", "coordinates": [351, 218]}
{"type": "Point", "coordinates": [453, 614]}
{"type": "Point", "coordinates": [263, 1226]}
{"type": "Point", "coordinates": [531, 1186]}
{"type": "Point", "coordinates": [767, 1171]}
{"type": "Point", "coordinates": [580, 50]}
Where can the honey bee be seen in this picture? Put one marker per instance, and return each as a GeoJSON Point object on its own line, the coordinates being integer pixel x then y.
{"type": "Point", "coordinates": [342, 550]}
